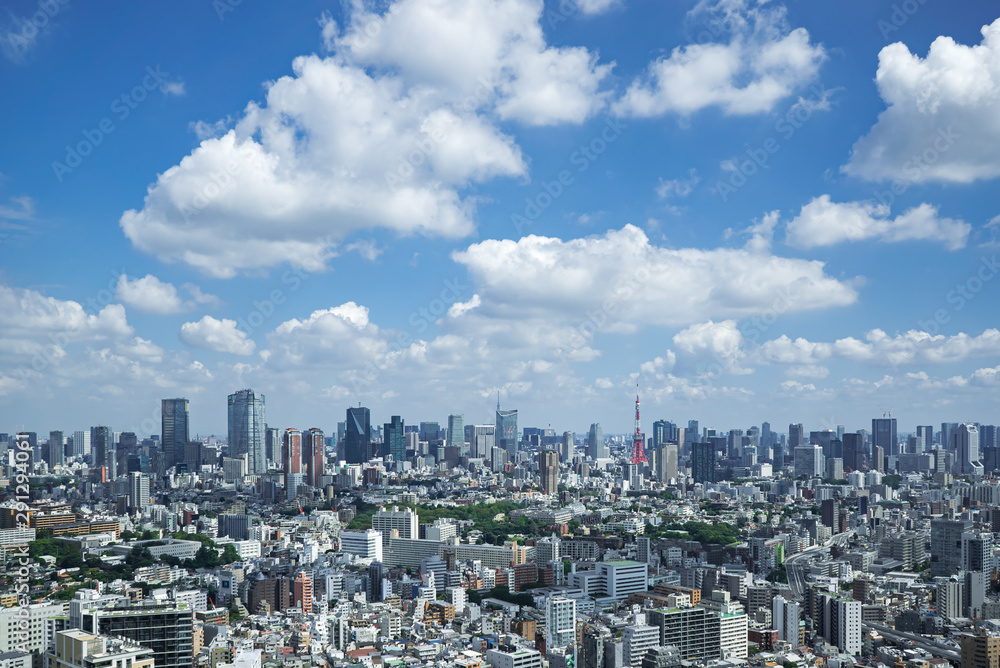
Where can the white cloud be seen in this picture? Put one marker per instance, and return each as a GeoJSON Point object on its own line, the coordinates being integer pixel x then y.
{"type": "Point", "coordinates": [942, 121]}
{"type": "Point", "coordinates": [678, 187]}
{"type": "Point", "coordinates": [301, 173]}
{"type": "Point", "coordinates": [151, 295]}
{"type": "Point", "coordinates": [173, 88]}
{"type": "Point", "coordinates": [625, 282]}
{"type": "Point", "coordinates": [23, 209]}
{"type": "Point", "coordinates": [223, 336]}
{"type": "Point", "coordinates": [712, 347]}
{"type": "Point", "coordinates": [595, 7]}
{"type": "Point", "coordinates": [822, 222]}
{"type": "Point", "coordinates": [762, 63]}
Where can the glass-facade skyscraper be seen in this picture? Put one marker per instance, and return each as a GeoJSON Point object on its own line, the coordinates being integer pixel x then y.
{"type": "Point", "coordinates": [456, 430]}
{"type": "Point", "coordinates": [174, 432]}
{"type": "Point", "coordinates": [507, 436]}
{"type": "Point", "coordinates": [394, 438]}
{"type": "Point", "coordinates": [358, 437]}
{"type": "Point", "coordinates": [884, 435]}
{"type": "Point", "coordinates": [246, 429]}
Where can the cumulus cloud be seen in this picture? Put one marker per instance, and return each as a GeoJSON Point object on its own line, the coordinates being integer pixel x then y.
{"type": "Point", "coordinates": [759, 62]}
{"type": "Point", "coordinates": [678, 187]}
{"type": "Point", "coordinates": [222, 336]}
{"type": "Point", "coordinates": [624, 281]}
{"type": "Point", "coordinates": [300, 173]}
{"type": "Point", "coordinates": [595, 7]}
{"type": "Point", "coordinates": [823, 222]}
{"type": "Point", "coordinates": [151, 295]}
{"type": "Point", "coordinates": [942, 121]}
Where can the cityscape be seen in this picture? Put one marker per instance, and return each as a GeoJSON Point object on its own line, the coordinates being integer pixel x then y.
{"type": "Point", "coordinates": [500, 334]}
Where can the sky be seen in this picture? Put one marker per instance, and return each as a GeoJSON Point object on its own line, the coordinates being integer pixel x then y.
{"type": "Point", "coordinates": [746, 210]}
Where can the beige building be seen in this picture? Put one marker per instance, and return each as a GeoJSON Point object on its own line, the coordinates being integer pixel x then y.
{"type": "Point", "coordinates": [79, 649]}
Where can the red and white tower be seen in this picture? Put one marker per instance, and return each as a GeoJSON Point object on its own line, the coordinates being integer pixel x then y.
{"type": "Point", "coordinates": [638, 451]}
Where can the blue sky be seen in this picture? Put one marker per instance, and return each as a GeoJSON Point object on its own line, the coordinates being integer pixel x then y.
{"type": "Point", "coordinates": [417, 204]}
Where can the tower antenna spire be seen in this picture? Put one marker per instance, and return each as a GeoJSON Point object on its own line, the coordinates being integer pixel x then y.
{"type": "Point", "coordinates": [638, 451]}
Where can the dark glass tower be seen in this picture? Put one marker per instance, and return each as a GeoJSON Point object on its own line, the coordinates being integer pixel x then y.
{"type": "Point", "coordinates": [174, 431]}
{"type": "Point", "coordinates": [703, 462]}
{"type": "Point", "coordinates": [358, 438]}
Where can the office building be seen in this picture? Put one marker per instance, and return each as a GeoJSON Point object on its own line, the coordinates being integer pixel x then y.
{"type": "Point", "coordinates": [809, 461]}
{"type": "Point", "coordinates": [165, 629]}
{"type": "Point", "coordinates": [981, 648]}
{"type": "Point", "coordinates": [949, 597]}
{"type": "Point", "coordinates": [235, 526]}
{"type": "Point", "coordinates": [246, 430]}
{"type": "Point", "coordinates": [637, 640]}
{"type": "Point", "coordinates": [854, 452]}
{"type": "Point", "coordinates": [842, 623]}
{"type": "Point", "coordinates": [358, 436]}
{"type": "Point", "coordinates": [57, 448]}
{"type": "Point", "coordinates": [508, 656]}
{"type": "Point", "coordinates": [548, 470]}
{"type": "Point", "coordinates": [138, 491]}
{"type": "Point", "coordinates": [596, 449]}
{"type": "Point", "coordinates": [81, 443]}
{"type": "Point", "coordinates": [560, 622]}
{"type": "Point", "coordinates": [966, 439]}
{"type": "Point", "coordinates": [618, 579]}
{"type": "Point", "coordinates": [404, 521]}
{"type": "Point", "coordinates": [977, 552]}
{"type": "Point", "coordinates": [79, 649]}
{"type": "Point", "coordinates": [925, 438]}
{"type": "Point", "coordinates": [796, 436]}
{"type": "Point", "coordinates": [456, 432]}
{"type": "Point", "coordinates": [884, 435]}
{"type": "Point", "coordinates": [666, 463]}
{"type": "Point", "coordinates": [291, 454]}
{"type": "Point", "coordinates": [314, 456]}
{"type": "Point", "coordinates": [703, 465]}
{"type": "Point", "coordinates": [174, 430]}
{"type": "Point", "coordinates": [22, 627]}
{"type": "Point", "coordinates": [733, 624]}
{"type": "Point", "coordinates": [505, 429]}
{"type": "Point", "coordinates": [101, 448]}
{"type": "Point", "coordinates": [365, 544]}
{"type": "Point", "coordinates": [567, 446]}
{"type": "Point", "coordinates": [394, 439]}
{"type": "Point", "coordinates": [694, 631]}
{"type": "Point", "coordinates": [946, 546]}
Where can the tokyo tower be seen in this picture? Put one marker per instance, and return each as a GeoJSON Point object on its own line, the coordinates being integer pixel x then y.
{"type": "Point", "coordinates": [638, 451]}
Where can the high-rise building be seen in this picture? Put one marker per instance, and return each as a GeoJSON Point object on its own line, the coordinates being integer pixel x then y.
{"type": "Point", "coordinates": [138, 490]}
{"type": "Point", "coordinates": [548, 470]}
{"type": "Point", "coordinates": [272, 443]}
{"type": "Point", "coordinates": [560, 622]}
{"type": "Point", "coordinates": [637, 640]}
{"type": "Point", "coordinates": [456, 431]}
{"type": "Point", "coordinates": [394, 439]}
{"type": "Point", "coordinates": [666, 463]}
{"type": "Point", "coordinates": [949, 596]}
{"type": "Point", "coordinates": [732, 624]}
{"type": "Point", "coordinates": [946, 546]}
{"type": "Point", "coordinates": [73, 648]}
{"type": "Point", "coordinates": [884, 435]}
{"type": "Point", "coordinates": [842, 623]}
{"type": "Point", "coordinates": [314, 456]}
{"type": "Point", "coordinates": [947, 441]}
{"type": "Point", "coordinates": [246, 430]}
{"type": "Point", "coordinates": [966, 439]}
{"type": "Point", "coordinates": [174, 430]}
{"type": "Point", "coordinates": [977, 551]}
{"type": "Point", "coordinates": [785, 619]}
{"type": "Point", "coordinates": [404, 521]}
{"type": "Point", "coordinates": [358, 437]}
{"type": "Point", "coordinates": [596, 449]}
{"type": "Point", "coordinates": [925, 437]}
{"type": "Point", "coordinates": [101, 448]}
{"type": "Point", "coordinates": [703, 468]}
{"type": "Point", "coordinates": [507, 436]}
{"type": "Point", "coordinates": [809, 461]}
{"type": "Point", "coordinates": [566, 453]}
{"type": "Point", "coordinates": [57, 447]}
{"type": "Point", "coordinates": [81, 443]}
{"type": "Point", "coordinates": [365, 544]}
{"type": "Point", "coordinates": [796, 436]}
{"type": "Point", "coordinates": [854, 451]}
{"type": "Point", "coordinates": [483, 440]}
{"type": "Point", "coordinates": [302, 593]}
{"type": "Point", "coordinates": [694, 631]}
{"type": "Point", "coordinates": [291, 453]}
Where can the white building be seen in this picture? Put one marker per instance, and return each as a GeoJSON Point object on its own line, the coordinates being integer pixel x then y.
{"type": "Point", "coordinates": [560, 622]}
{"type": "Point", "coordinates": [637, 640]}
{"type": "Point", "coordinates": [23, 628]}
{"type": "Point", "coordinates": [365, 544]}
{"type": "Point", "coordinates": [732, 624]}
{"type": "Point", "coordinates": [621, 578]}
{"type": "Point", "coordinates": [785, 618]}
{"type": "Point", "coordinates": [404, 521]}
{"type": "Point", "coordinates": [519, 658]}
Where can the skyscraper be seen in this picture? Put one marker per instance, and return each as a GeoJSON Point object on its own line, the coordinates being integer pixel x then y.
{"type": "Point", "coordinates": [884, 435]}
{"type": "Point", "coordinates": [314, 455]}
{"type": "Point", "coordinates": [506, 429]}
{"type": "Point", "coordinates": [100, 443]}
{"type": "Point", "coordinates": [925, 437]}
{"type": "Point", "coordinates": [548, 470]}
{"type": "Point", "coordinates": [358, 438]}
{"type": "Point", "coordinates": [796, 436]}
{"type": "Point", "coordinates": [394, 437]}
{"type": "Point", "coordinates": [595, 442]}
{"type": "Point", "coordinates": [703, 462]}
{"type": "Point", "coordinates": [138, 490]}
{"type": "Point", "coordinates": [568, 439]}
{"type": "Point", "coordinates": [291, 453]}
{"type": "Point", "coordinates": [560, 622]}
{"type": "Point", "coordinates": [967, 444]}
{"type": "Point", "coordinates": [456, 431]}
{"type": "Point", "coordinates": [56, 448]}
{"type": "Point", "coordinates": [483, 440]}
{"type": "Point", "coordinates": [853, 451]}
{"type": "Point", "coordinates": [246, 429]}
{"type": "Point", "coordinates": [174, 432]}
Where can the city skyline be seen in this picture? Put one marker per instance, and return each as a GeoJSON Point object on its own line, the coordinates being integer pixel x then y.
{"type": "Point", "coordinates": [800, 242]}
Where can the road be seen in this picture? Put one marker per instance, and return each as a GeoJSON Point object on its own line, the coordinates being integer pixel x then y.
{"type": "Point", "coordinates": [795, 565]}
{"type": "Point", "coordinates": [919, 642]}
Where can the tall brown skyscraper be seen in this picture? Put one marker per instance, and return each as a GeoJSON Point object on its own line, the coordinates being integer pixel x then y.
{"type": "Point", "coordinates": [313, 454]}
{"type": "Point", "coordinates": [291, 452]}
{"type": "Point", "coordinates": [548, 470]}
